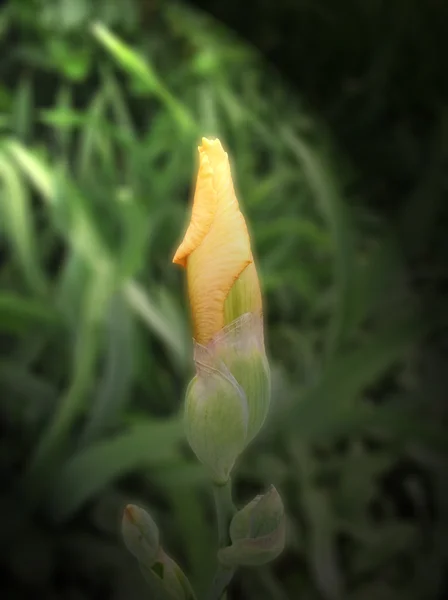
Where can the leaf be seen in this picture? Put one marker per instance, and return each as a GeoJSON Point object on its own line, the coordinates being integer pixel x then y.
{"type": "Point", "coordinates": [378, 283]}
{"type": "Point", "coordinates": [87, 344]}
{"type": "Point", "coordinates": [90, 139]}
{"type": "Point", "coordinates": [64, 118]}
{"type": "Point", "coordinates": [93, 468]}
{"type": "Point", "coordinates": [16, 215]}
{"type": "Point", "coordinates": [154, 316]}
{"type": "Point", "coordinates": [192, 523]}
{"type": "Point", "coordinates": [136, 233]}
{"type": "Point", "coordinates": [39, 173]}
{"type": "Point", "coordinates": [73, 278]}
{"type": "Point", "coordinates": [118, 103]}
{"type": "Point", "coordinates": [19, 314]}
{"type": "Point", "coordinates": [321, 550]}
{"type": "Point", "coordinates": [324, 186]}
{"type": "Point", "coordinates": [26, 398]}
{"type": "Point", "coordinates": [23, 108]}
{"type": "Point", "coordinates": [73, 215]}
{"type": "Point", "coordinates": [331, 400]}
{"type": "Point", "coordinates": [141, 70]}
{"type": "Point", "coordinates": [359, 471]}
{"type": "Point", "coordinates": [116, 380]}
{"type": "Point", "coordinates": [383, 545]}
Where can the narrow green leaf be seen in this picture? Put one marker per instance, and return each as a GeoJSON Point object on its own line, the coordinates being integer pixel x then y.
{"type": "Point", "coordinates": [39, 173]}
{"type": "Point", "coordinates": [156, 320]}
{"type": "Point", "coordinates": [116, 378]}
{"type": "Point", "coordinates": [16, 214]}
{"type": "Point", "coordinates": [331, 400]}
{"type": "Point", "coordinates": [192, 523]}
{"type": "Point", "coordinates": [23, 108]}
{"type": "Point", "coordinates": [321, 550]}
{"type": "Point", "coordinates": [90, 141]}
{"type": "Point", "coordinates": [19, 314]}
{"type": "Point", "coordinates": [93, 468]}
{"type": "Point", "coordinates": [26, 397]}
{"type": "Point", "coordinates": [87, 345]}
{"type": "Point", "coordinates": [324, 186]}
{"type": "Point", "coordinates": [118, 103]}
{"type": "Point", "coordinates": [142, 71]}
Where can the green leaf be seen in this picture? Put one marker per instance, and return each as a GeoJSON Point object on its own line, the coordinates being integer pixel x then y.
{"type": "Point", "coordinates": [23, 109]}
{"type": "Point", "coordinates": [91, 141]}
{"type": "Point", "coordinates": [39, 173]}
{"type": "Point", "coordinates": [192, 523]}
{"type": "Point", "coordinates": [378, 283]}
{"type": "Point", "coordinates": [143, 73]}
{"type": "Point", "coordinates": [19, 314]}
{"type": "Point", "coordinates": [16, 215]}
{"type": "Point", "coordinates": [118, 103]}
{"type": "Point", "coordinates": [331, 401]}
{"type": "Point", "coordinates": [321, 550]}
{"type": "Point", "coordinates": [116, 379]}
{"type": "Point", "coordinates": [156, 319]}
{"type": "Point", "coordinates": [93, 468]}
{"type": "Point", "coordinates": [324, 186]}
{"type": "Point", "coordinates": [87, 344]}
{"type": "Point", "coordinates": [26, 399]}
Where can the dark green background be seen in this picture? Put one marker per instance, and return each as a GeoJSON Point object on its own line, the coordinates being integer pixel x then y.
{"type": "Point", "coordinates": [335, 118]}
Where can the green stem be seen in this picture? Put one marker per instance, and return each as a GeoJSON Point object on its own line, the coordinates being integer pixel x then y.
{"type": "Point", "coordinates": [225, 510]}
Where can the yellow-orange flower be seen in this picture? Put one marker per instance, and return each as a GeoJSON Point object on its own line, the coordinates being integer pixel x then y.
{"type": "Point", "coordinates": [222, 279]}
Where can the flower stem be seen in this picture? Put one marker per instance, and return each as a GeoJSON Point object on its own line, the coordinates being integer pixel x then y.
{"type": "Point", "coordinates": [220, 582]}
{"type": "Point", "coordinates": [225, 510]}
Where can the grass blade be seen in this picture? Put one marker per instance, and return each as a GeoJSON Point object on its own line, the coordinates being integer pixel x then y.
{"type": "Point", "coordinates": [141, 70]}
{"type": "Point", "coordinates": [116, 379]}
{"type": "Point", "coordinates": [94, 468]}
{"type": "Point", "coordinates": [324, 186]}
{"type": "Point", "coordinates": [20, 315]}
{"type": "Point", "coordinates": [16, 213]}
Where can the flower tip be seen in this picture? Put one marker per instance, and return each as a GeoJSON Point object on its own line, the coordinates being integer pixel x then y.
{"type": "Point", "coordinates": [207, 142]}
{"type": "Point", "coordinates": [130, 513]}
{"type": "Point", "coordinates": [179, 259]}
{"type": "Point", "coordinates": [211, 145]}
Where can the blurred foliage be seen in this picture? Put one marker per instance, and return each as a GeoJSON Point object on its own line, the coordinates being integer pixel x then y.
{"type": "Point", "coordinates": [101, 109]}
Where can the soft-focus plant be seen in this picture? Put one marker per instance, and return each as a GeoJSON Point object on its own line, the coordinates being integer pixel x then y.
{"type": "Point", "coordinates": [95, 345]}
{"type": "Point", "coordinates": [228, 399]}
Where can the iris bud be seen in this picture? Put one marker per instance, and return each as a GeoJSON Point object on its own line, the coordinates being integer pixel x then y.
{"type": "Point", "coordinates": [141, 537]}
{"type": "Point", "coordinates": [257, 532]}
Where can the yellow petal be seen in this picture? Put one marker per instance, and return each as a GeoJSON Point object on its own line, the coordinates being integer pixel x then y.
{"type": "Point", "coordinates": [204, 209]}
{"type": "Point", "coordinates": [213, 268]}
{"type": "Point", "coordinates": [216, 247]}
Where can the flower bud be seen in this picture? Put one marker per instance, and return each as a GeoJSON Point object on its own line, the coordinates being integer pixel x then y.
{"type": "Point", "coordinates": [240, 346]}
{"type": "Point", "coordinates": [257, 532]}
{"type": "Point", "coordinates": [140, 534]}
{"type": "Point", "coordinates": [228, 400]}
{"type": "Point", "coordinates": [165, 578]}
{"type": "Point", "coordinates": [216, 415]}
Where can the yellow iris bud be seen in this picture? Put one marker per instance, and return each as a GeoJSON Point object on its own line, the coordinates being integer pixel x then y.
{"type": "Point", "coordinates": [228, 399]}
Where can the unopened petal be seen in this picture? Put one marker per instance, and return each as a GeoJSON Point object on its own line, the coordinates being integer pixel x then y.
{"type": "Point", "coordinates": [217, 262]}
{"type": "Point", "coordinates": [212, 270]}
{"type": "Point", "coordinates": [204, 209]}
{"type": "Point", "coordinates": [216, 249]}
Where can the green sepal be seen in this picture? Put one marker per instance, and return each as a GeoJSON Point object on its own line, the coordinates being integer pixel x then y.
{"type": "Point", "coordinates": [257, 532]}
